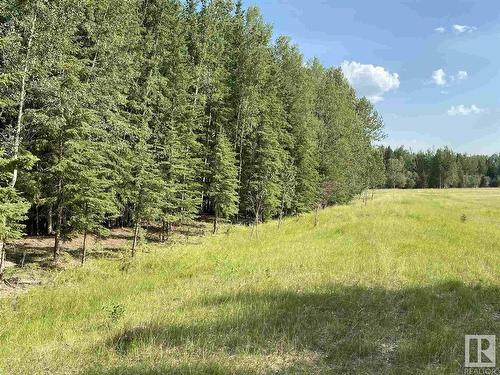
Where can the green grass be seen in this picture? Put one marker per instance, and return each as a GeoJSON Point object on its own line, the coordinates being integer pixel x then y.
{"type": "Point", "coordinates": [391, 287]}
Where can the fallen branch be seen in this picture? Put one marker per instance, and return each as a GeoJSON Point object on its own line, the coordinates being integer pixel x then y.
{"type": "Point", "coordinates": [6, 282]}
{"type": "Point", "coordinates": [29, 282]}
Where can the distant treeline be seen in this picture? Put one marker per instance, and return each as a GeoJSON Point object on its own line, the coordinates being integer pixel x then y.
{"type": "Point", "coordinates": [135, 112]}
{"type": "Point", "coordinates": [441, 168]}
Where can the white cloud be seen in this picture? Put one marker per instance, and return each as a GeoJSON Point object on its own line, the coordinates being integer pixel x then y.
{"type": "Point", "coordinates": [439, 77]}
{"type": "Point", "coordinates": [456, 28]}
{"type": "Point", "coordinates": [464, 110]}
{"type": "Point", "coordinates": [459, 29]}
{"type": "Point", "coordinates": [461, 75]}
{"type": "Point", "coordinates": [370, 80]}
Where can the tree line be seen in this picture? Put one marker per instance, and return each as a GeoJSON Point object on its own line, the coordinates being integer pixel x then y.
{"type": "Point", "coordinates": [141, 112]}
{"type": "Point", "coordinates": [440, 168]}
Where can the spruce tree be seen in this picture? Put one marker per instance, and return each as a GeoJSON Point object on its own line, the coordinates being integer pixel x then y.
{"type": "Point", "coordinates": [13, 207]}
{"type": "Point", "coordinates": [132, 106]}
{"type": "Point", "coordinates": [223, 180]}
{"type": "Point", "coordinates": [19, 23]}
{"type": "Point", "coordinates": [262, 123]}
{"type": "Point", "coordinates": [13, 211]}
{"type": "Point", "coordinates": [146, 189]}
{"type": "Point", "coordinates": [91, 197]}
{"type": "Point", "coordinates": [297, 95]}
{"type": "Point", "coordinates": [167, 108]}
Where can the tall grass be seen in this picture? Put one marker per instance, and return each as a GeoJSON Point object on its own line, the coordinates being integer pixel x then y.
{"type": "Point", "coordinates": [390, 287]}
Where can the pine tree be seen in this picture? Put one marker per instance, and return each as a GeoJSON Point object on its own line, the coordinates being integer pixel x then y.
{"type": "Point", "coordinates": [168, 111]}
{"type": "Point", "coordinates": [17, 33]}
{"type": "Point", "coordinates": [91, 197]}
{"type": "Point", "coordinates": [13, 210]}
{"type": "Point", "coordinates": [80, 126]}
{"type": "Point", "coordinates": [223, 180]}
{"type": "Point", "coordinates": [150, 111]}
{"type": "Point", "coordinates": [300, 140]}
{"type": "Point", "coordinates": [342, 136]}
{"type": "Point", "coordinates": [262, 192]}
{"type": "Point", "coordinates": [61, 117]}
{"type": "Point", "coordinates": [262, 121]}
{"type": "Point", "coordinates": [13, 207]}
{"type": "Point", "coordinates": [146, 189]}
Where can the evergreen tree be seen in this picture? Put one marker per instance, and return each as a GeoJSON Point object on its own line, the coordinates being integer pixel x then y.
{"type": "Point", "coordinates": [146, 189]}
{"type": "Point", "coordinates": [150, 112]}
{"type": "Point", "coordinates": [173, 121]}
{"type": "Point", "coordinates": [19, 23]}
{"type": "Point", "coordinates": [223, 180]}
{"type": "Point", "coordinates": [91, 197]}
{"type": "Point", "coordinates": [13, 207]}
{"type": "Point", "coordinates": [300, 133]}
{"type": "Point", "coordinates": [341, 137]}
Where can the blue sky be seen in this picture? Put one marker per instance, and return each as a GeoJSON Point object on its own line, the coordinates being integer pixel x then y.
{"type": "Point", "coordinates": [431, 67]}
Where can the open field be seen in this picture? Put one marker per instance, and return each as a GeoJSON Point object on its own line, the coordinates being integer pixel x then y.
{"type": "Point", "coordinates": [390, 287]}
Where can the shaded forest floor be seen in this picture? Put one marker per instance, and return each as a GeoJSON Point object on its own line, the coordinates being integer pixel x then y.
{"type": "Point", "coordinates": [30, 259]}
{"type": "Point", "coordinates": [390, 287]}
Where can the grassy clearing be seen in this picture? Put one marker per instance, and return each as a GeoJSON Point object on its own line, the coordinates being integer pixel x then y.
{"type": "Point", "coordinates": [390, 287]}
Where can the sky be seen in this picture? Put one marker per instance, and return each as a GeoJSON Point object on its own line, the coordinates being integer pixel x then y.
{"type": "Point", "coordinates": [432, 68]}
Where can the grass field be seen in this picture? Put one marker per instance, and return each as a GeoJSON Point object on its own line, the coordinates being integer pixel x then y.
{"type": "Point", "coordinates": [391, 287]}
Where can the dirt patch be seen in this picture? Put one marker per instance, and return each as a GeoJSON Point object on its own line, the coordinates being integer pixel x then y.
{"type": "Point", "coordinates": [30, 259]}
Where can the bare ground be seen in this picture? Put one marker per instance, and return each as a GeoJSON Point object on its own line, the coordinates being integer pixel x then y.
{"type": "Point", "coordinates": [30, 259]}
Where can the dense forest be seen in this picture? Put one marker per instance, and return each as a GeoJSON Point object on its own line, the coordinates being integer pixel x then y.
{"type": "Point", "coordinates": [154, 112]}
{"type": "Point", "coordinates": [142, 112]}
{"type": "Point", "coordinates": [441, 168]}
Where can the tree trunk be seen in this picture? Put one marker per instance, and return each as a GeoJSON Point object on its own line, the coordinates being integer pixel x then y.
{"type": "Point", "coordinates": [167, 230]}
{"type": "Point", "coordinates": [2, 258]}
{"type": "Point", "coordinates": [84, 247]}
{"type": "Point", "coordinates": [57, 246]}
{"type": "Point", "coordinates": [237, 128]}
{"type": "Point", "coordinates": [205, 163]}
{"type": "Point", "coordinates": [57, 239]}
{"type": "Point", "coordinates": [240, 161]}
{"type": "Point", "coordinates": [162, 234]}
{"type": "Point", "coordinates": [136, 235]}
{"type": "Point", "coordinates": [50, 228]}
{"type": "Point", "coordinates": [23, 260]}
{"type": "Point", "coordinates": [37, 220]}
{"type": "Point", "coordinates": [22, 98]}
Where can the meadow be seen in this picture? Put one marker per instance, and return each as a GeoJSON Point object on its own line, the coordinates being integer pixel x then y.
{"type": "Point", "coordinates": [390, 286]}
